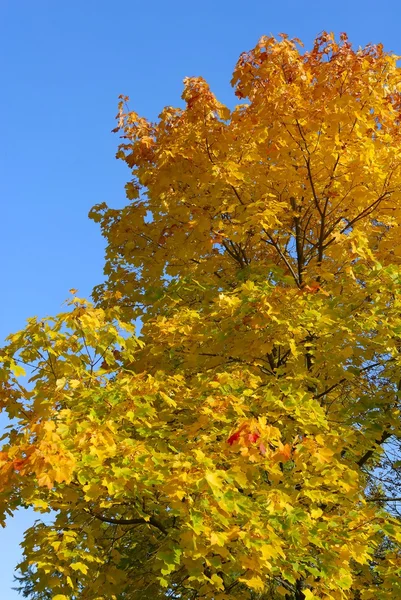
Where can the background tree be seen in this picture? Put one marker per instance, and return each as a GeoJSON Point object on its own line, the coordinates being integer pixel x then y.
{"type": "Point", "coordinates": [246, 445]}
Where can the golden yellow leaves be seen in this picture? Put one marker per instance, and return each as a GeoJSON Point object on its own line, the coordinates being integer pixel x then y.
{"type": "Point", "coordinates": [215, 479]}
{"type": "Point", "coordinates": [60, 383]}
{"type": "Point", "coordinates": [79, 566]}
{"type": "Point", "coordinates": [17, 370]}
{"type": "Point", "coordinates": [263, 258]}
{"type": "Point", "coordinates": [40, 505]}
{"type": "Point", "coordinates": [255, 583]}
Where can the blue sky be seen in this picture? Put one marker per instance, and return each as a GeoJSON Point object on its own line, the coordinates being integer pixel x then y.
{"type": "Point", "coordinates": [63, 66]}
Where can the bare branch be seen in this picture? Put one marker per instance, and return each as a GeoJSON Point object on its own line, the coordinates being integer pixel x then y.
{"type": "Point", "coordinates": [282, 256]}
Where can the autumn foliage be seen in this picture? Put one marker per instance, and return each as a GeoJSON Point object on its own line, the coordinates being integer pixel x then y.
{"type": "Point", "coordinates": [245, 443]}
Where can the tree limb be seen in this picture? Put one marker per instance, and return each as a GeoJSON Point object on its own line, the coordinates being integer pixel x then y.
{"type": "Point", "coordinates": [137, 521]}
{"type": "Point", "coordinates": [364, 459]}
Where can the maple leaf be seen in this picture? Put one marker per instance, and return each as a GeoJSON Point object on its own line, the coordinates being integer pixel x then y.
{"type": "Point", "coordinates": [234, 438]}
{"type": "Point", "coordinates": [284, 452]}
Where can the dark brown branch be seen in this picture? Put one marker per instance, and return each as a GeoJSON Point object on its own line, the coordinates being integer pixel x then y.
{"type": "Point", "coordinates": [209, 152]}
{"type": "Point", "coordinates": [233, 252]}
{"type": "Point", "coordinates": [365, 213]}
{"type": "Point", "coordinates": [299, 595]}
{"type": "Point", "coordinates": [364, 459]}
{"type": "Point", "coordinates": [282, 256]}
{"type": "Point", "coordinates": [237, 194]}
{"type": "Point", "coordinates": [298, 242]}
{"type": "Point", "coordinates": [271, 361]}
{"type": "Point", "coordinates": [329, 389]}
{"type": "Point", "coordinates": [383, 499]}
{"type": "Point", "coordinates": [137, 521]}
{"type": "Point", "coordinates": [309, 170]}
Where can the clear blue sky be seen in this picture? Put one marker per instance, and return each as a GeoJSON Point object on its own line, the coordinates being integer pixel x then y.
{"type": "Point", "coordinates": [63, 66]}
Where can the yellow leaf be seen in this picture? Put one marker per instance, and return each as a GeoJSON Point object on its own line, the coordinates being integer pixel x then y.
{"type": "Point", "coordinates": [324, 455]}
{"type": "Point", "coordinates": [268, 551]}
{"type": "Point", "coordinates": [293, 347]}
{"type": "Point", "coordinates": [255, 583]}
{"type": "Point", "coordinates": [218, 539]}
{"type": "Point", "coordinates": [41, 505]}
{"type": "Point", "coordinates": [213, 479]}
{"type": "Point", "coordinates": [60, 383]}
{"type": "Point", "coordinates": [79, 566]}
{"type": "Point", "coordinates": [18, 370]}
{"type": "Point", "coordinates": [218, 582]}
{"type": "Point", "coordinates": [167, 399]}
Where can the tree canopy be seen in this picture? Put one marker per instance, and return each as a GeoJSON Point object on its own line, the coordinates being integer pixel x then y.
{"type": "Point", "coordinates": [222, 422]}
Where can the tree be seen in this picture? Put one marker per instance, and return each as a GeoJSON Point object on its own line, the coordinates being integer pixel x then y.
{"type": "Point", "coordinates": [246, 443]}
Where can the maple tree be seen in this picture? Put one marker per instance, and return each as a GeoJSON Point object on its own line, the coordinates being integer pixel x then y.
{"type": "Point", "coordinates": [246, 443]}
